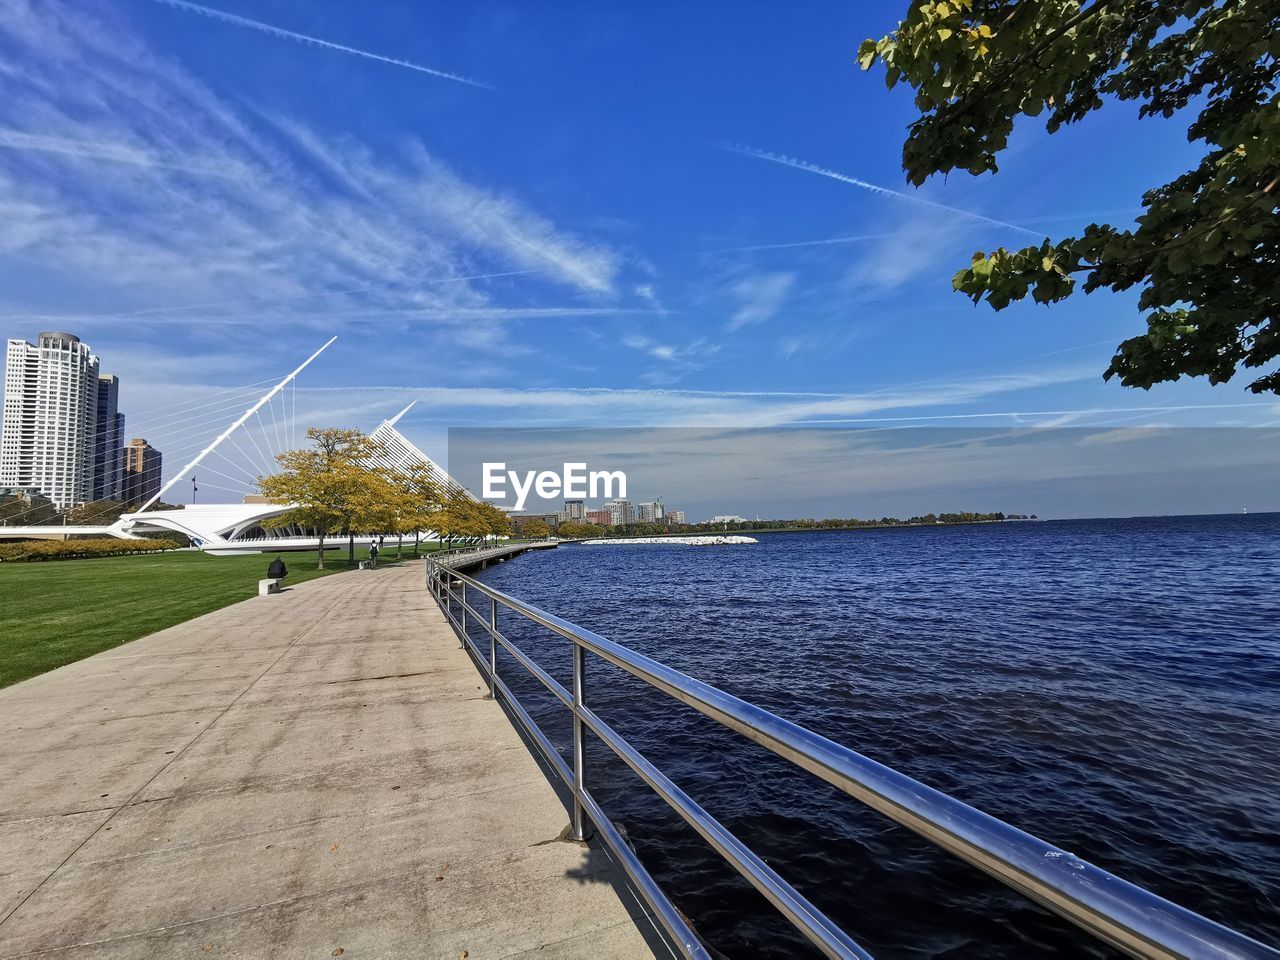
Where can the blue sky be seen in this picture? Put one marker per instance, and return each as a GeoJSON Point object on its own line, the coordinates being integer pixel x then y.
{"type": "Point", "coordinates": [546, 230]}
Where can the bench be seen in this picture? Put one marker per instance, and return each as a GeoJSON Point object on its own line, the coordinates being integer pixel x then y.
{"type": "Point", "coordinates": [270, 585]}
{"type": "Point", "coordinates": [366, 564]}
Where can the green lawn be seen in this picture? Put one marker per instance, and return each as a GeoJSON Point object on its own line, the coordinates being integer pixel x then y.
{"type": "Point", "coordinates": [56, 612]}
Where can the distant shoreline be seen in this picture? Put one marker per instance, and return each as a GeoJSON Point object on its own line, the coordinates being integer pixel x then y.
{"type": "Point", "coordinates": [752, 532]}
{"type": "Point", "coordinates": [887, 526]}
{"type": "Point", "coordinates": [923, 526]}
{"type": "Point", "coordinates": [700, 540]}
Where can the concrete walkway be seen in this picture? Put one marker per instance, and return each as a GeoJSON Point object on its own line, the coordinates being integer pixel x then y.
{"type": "Point", "coordinates": [311, 774]}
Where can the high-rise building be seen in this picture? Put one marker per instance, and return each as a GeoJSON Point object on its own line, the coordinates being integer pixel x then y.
{"type": "Point", "coordinates": [651, 512]}
{"type": "Point", "coordinates": [50, 418]}
{"type": "Point", "coordinates": [575, 510]}
{"type": "Point", "coordinates": [108, 454]}
{"type": "Point", "coordinates": [602, 517]}
{"type": "Point", "coordinates": [142, 467]}
{"type": "Point", "coordinates": [675, 516]}
{"type": "Point", "coordinates": [620, 512]}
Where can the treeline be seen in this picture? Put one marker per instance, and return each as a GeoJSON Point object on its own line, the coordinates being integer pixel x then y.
{"type": "Point", "coordinates": [21, 510]}
{"type": "Point", "coordinates": [340, 491]}
{"type": "Point", "coordinates": [588, 530]}
{"type": "Point", "coordinates": [853, 523]}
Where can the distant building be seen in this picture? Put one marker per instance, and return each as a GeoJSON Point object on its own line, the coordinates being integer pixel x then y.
{"type": "Point", "coordinates": [142, 467]}
{"type": "Point", "coordinates": [620, 512]}
{"type": "Point", "coordinates": [575, 510]}
{"type": "Point", "coordinates": [602, 517]}
{"type": "Point", "coordinates": [675, 516]}
{"type": "Point", "coordinates": [50, 419]}
{"type": "Point", "coordinates": [728, 518]}
{"type": "Point", "coordinates": [651, 512]}
{"type": "Point", "coordinates": [108, 437]}
{"type": "Point", "coordinates": [519, 520]}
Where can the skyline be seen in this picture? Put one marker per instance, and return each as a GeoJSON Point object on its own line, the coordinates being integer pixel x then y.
{"type": "Point", "coordinates": [184, 185]}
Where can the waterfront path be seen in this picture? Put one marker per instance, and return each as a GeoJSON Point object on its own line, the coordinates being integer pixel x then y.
{"type": "Point", "coordinates": [310, 774]}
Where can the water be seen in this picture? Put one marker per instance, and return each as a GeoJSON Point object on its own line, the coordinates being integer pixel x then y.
{"type": "Point", "coordinates": [1111, 686]}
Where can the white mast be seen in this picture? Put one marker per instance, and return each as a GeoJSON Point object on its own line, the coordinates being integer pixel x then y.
{"type": "Point", "coordinates": [232, 429]}
{"type": "Point", "coordinates": [396, 419]}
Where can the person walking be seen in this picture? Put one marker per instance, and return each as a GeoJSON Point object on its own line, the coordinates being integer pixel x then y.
{"type": "Point", "coordinates": [373, 555]}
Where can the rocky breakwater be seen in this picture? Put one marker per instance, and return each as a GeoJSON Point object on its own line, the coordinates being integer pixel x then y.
{"type": "Point", "coordinates": [707, 541]}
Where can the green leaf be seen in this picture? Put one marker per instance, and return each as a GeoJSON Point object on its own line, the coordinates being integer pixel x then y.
{"type": "Point", "coordinates": [867, 54]}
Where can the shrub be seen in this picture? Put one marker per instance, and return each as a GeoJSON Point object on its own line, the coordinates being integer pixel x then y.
{"type": "Point", "coordinates": [31, 550]}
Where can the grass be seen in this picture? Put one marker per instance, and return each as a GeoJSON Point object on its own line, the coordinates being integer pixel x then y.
{"type": "Point", "coordinates": [56, 612]}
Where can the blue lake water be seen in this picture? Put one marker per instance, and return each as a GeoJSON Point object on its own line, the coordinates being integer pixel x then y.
{"type": "Point", "coordinates": [1112, 686]}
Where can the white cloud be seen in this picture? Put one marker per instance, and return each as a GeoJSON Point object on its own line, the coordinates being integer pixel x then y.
{"type": "Point", "coordinates": [130, 187]}
{"type": "Point", "coordinates": [903, 255]}
{"type": "Point", "coordinates": [668, 407]}
{"type": "Point", "coordinates": [761, 296]}
{"type": "Point", "coordinates": [674, 362]}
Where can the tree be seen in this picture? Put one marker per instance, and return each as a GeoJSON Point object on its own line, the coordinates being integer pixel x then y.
{"type": "Point", "coordinates": [417, 501]}
{"type": "Point", "coordinates": [22, 510]}
{"type": "Point", "coordinates": [460, 517]}
{"type": "Point", "coordinates": [1206, 253]}
{"type": "Point", "coordinates": [331, 484]}
{"type": "Point", "coordinates": [464, 516]}
{"type": "Point", "coordinates": [580, 531]}
{"type": "Point", "coordinates": [535, 529]}
{"type": "Point", "coordinates": [495, 519]}
{"type": "Point", "coordinates": [96, 513]}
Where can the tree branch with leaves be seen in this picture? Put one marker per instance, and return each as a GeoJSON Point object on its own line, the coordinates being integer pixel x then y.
{"type": "Point", "coordinates": [1206, 252]}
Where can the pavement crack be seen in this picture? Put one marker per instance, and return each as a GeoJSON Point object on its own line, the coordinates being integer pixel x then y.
{"type": "Point", "coordinates": [385, 676]}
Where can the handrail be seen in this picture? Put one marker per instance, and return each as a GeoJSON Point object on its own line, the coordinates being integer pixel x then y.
{"type": "Point", "coordinates": [1108, 908]}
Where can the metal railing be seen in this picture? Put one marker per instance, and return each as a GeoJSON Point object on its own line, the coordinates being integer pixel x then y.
{"type": "Point", "coordinates": [1112, 910]}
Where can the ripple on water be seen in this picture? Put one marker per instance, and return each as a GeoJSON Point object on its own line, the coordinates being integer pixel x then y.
{"type": "Point", "coordinates": [1111, 686]}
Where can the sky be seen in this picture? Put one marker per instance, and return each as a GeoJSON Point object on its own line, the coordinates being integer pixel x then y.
{"type": "Point", "coordinates": [869, 473]}
{"type": "Point", "coordinates": [532, 215]}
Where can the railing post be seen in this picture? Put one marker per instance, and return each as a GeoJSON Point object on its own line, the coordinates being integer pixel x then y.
{"type": "Point", "coordinates": [493, 649]}
{"type": "Point", "coordinates": [579, 828]}
{"type": "Point", "coordinates": [463, 641]}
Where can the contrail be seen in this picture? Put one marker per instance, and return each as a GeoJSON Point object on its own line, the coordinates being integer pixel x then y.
{"type": "Point", "coordinates": [1053, 218]}
{"type": "Point", "coordinates": [801, 243]}
{"type": "Point", "coordinates": [871, 187]}
{"type": "Point", "coordinates": [315, 41]}
{"type": "Point", "coordinates": [1035, 413]}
